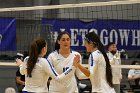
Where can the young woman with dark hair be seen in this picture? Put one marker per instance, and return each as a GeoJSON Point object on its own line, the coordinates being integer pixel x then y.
{"type": "Point", "coordinates": [99, 70]}
{"type": "Point", "coordinates": [62, 59]}
{"type": "Point", "coordinates": [38, 69]}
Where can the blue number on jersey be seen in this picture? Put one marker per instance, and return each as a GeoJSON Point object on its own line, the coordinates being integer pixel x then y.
{"type": "Point", "coordinates": [65, 68]}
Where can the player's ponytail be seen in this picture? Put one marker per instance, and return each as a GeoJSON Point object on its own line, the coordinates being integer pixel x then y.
{"type": "Point", "coordinates": [35, 50]}
{"type": "Point", "coordinates": [92, 37]}
{"type": "Point", "coordinates": [108, 66]}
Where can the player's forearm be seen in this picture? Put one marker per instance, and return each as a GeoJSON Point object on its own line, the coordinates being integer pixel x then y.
{"type": "Point", "coordinates": [66, 73]}
{"type": "Point", "coordinates": [132, 78]}
{"type": "Point", "coordinates": [136, 77]}
{"type": "Point", "coordinates": [81, 75]}
{"type": "Point", "coordinates": [20, 82]}
{"type": "Point", "coordinates": [84, 70]}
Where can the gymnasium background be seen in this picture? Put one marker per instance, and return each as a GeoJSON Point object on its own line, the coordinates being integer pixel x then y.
{"type": "Point", "coordinates": [118, 23]}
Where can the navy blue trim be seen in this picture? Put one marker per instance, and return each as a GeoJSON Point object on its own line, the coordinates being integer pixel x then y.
{"type": "Point", "coordinates": [27, 92]}
{"type": "Point", "coordinates": [92, 62]}
{"type": "Point", "coordinates": [67, 71]}
{"type": "Point", "coordinates": [52, 68]}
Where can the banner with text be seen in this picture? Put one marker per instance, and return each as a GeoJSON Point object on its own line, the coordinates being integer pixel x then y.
{"type": "Point", "coordinates": [126, 34]}
{"type": "Point", "coordinates": [7, 34]}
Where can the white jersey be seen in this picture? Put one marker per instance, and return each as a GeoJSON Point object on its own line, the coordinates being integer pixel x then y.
{"type": "Point", "coordinates": [97, 68]}
{"type": "Point", "coordinates": [40, 74]}
{"type": "Point", "coordinates": [116, 72]}
{"type": "Point", "coordinates": [61, 64]}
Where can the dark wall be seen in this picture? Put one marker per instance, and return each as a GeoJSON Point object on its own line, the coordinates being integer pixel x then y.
{"type": "Point", "coordinates": [7, 77]}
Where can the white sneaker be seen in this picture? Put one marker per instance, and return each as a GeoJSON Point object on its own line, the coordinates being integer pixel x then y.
{"type": "Point", "coordinates": [82, 86]}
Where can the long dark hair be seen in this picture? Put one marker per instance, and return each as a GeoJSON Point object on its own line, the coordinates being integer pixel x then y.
{"type": "Point", "coordinates": [91, 36]}
{"type": "Point", "coordinates": [35, 50]}
{"type": "Point", "coordinates": [57, 46]}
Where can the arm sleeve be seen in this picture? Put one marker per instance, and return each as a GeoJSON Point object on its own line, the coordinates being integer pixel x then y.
{"type": "Point", "coordinates": [50, 58]}
{"type": "Point", "coordinates": [48, 68]}
{"type": "Point", "coordinates": [62, 78]}
{"type": "Point", "coordinates": [23, 66]}
{"type": "Point", "coordinates": [93, 59]}
{"type": "Point", "coordinates": [22, 69]}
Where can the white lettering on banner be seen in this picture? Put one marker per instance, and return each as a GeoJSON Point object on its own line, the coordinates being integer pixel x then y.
{"type": "Point", "coordinates": [83, 32]}
{"type": "Point", "coordinates": [121, 36]}
{"type": "Point", "coordinates": [113, 31]}
{"type": "Point", "coordinates": [104, 38]}
{"type": "Point", "coordinates": [136, 36]}
{"type": "Point", "coordinates": [0, 38]}
{"type": "Point", "coordinates": [74, 41]}
{"type": "Point", "coordinates": [124, 35]}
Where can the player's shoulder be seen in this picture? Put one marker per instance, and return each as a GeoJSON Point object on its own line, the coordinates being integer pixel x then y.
{"type": "Point", "coordinates": [97, 52]}
{"type": "Point", "coordinates": [42, 60]}
{"type": "Point", "coordinates": [54, 53]}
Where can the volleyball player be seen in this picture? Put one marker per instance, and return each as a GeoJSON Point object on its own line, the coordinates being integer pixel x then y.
{"type": "Point", "coordinates": [99, 70]}
{"type": "Point", "coordinates": [62, 59]}
{"type": "Point", "coordinates": [37, 69]}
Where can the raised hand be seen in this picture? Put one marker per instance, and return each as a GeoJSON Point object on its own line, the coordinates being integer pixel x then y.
{"type": "Point", "coordinates": [76, 60]}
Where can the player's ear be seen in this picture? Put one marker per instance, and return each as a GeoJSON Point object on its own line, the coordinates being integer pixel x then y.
{"type": "Point", "coordinates": [43, 49]}
{"type": "Point", "coordinates": [93, 45]}
{"type": "Point", "coordinates": [58, 41]}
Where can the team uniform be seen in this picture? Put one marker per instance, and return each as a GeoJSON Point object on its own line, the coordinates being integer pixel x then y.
{"type": "Point", "coordinates": [61, 64]}
{"type": "Point", "coordinates": [116, 72]}
{"type": "Point", "coordinates": [97, 68]}
{"type": "Point", "coordinates": [40, 74]}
